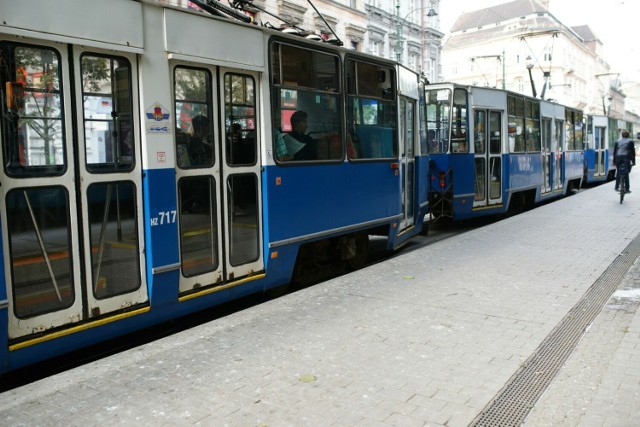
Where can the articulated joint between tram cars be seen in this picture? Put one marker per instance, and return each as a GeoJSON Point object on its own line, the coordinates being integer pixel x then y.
{"type": "Point", "coordinates": [440, 194]}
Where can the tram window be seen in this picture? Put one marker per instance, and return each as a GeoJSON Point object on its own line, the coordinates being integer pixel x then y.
{"type": "Point", "coordinates": [559, 136]}
{"type": "Point", "coordinates": [532, 126]}
{"type": "Point", "coordinates": [108, 114]}
{"type": "Point", "coordinates": [298, 67]}
{"type": "Point", "coordinates": [570, 130]}
{"type": "Point", "coordinates": [371, 111]}
{"type": "Point", "coordinates": [459, 139]}
{"type": "Point", "coordinates": [479, 133]}
{"type": "Point", "coordinates": [422, 123]}
{"type": "Point", "coordinates": [438, 109]}
{"type": "Point", "coordinates": [40, 250]}
{"type": "Point", "coordinates": [243, 219]}
{"type": "Point", "coordinates": [495, 132]}
{"type": "Point", "coordinates": [307, 116]}
{"type": "Point", "coordinates": [579, 131]}
{"type": "Point", "coordinates": [515, 108]}
{"type": "Point", "coordinates": [193, 109]}
{"type": "Point", "coordinates": [240, 119]}
{"type": "Point", "coordinates": [33, 122]}
{"type": "Point", "coordinates": [198, 225]}
{"type": "Point", "coordinates": [115, 259]}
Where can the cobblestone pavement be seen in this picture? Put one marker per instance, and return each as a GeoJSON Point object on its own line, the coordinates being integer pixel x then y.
{"type": "Point", "coordinates": [426, 338]}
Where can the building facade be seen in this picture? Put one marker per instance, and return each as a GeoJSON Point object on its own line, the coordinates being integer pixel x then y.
{"type": "Point", "coordinates": [407, 31]}
{"type": "Point", "coordinates": [521, 46]}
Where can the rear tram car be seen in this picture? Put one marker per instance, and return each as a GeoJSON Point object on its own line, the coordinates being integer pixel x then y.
{"type": "Point", "coordinates": [158, 161]}
{"type": "Point", "coordinates": [493, 150]}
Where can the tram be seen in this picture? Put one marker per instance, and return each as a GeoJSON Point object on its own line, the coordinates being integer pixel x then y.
{"type": "Point", "coordinates": [158, 161]}
{"type": "Point", "coordinates": [492, 150]}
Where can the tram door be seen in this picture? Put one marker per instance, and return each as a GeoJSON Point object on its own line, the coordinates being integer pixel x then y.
{"type": "Point", "coordinates": [407, 160]}
{"type": "Point", "coordinates": [558, 147]}
{"type": "Point", "coordinates": [70, 206]}
{"type": "Point", "coordinates": [547, 176]}
{"type": "Point", "coordinates": [488, 157]}
{"type": "Point", "coordinates": [599, 139]}
{"type": "Point", "coordinates": [218, 175]}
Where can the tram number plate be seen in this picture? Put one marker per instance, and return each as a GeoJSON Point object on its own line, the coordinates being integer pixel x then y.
{"type": "Point", "coordinates": [168, 217]}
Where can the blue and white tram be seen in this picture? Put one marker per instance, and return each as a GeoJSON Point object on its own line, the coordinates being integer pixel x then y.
{"type": "Point", "coordinates": [150, 170]}
{"type": "Point", "coordinates": [492, 150]}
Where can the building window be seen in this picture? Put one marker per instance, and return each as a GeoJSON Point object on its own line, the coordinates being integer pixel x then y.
{"type": "Point", "coordinates": [547, 56]}
{"type": "Point", "coordinates": [413, 61]}
{"type": "Point", "coordinates": [375, 47]}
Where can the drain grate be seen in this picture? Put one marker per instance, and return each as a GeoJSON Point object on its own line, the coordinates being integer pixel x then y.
{"type": "Point", "coordinates": [512, 404]}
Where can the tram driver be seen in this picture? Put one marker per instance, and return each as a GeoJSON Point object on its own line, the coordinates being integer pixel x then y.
{"type": "Point", "coordinates": [296, 145]}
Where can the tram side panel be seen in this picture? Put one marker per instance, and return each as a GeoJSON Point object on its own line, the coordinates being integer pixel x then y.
{"type": "Point", "coordinates": [160, 199]}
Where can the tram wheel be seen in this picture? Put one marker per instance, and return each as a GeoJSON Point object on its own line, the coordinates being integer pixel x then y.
{"type": "Point", "coordinates": [361, 256]}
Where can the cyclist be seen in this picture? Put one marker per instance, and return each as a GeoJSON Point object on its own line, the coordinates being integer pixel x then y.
{"type": "Point", "coordinates": [624, 155]}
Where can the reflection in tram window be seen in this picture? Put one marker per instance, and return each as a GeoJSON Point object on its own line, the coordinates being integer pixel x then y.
{"type": "Point", "coordinates": [532, 123]}
{"type": "Point", "coordinates": [479, 132]}
{"type": "Point", "coordinates": [459, 117]}
{"type": "Point", "coordinates": [108, 118]}
{"type": "Point", "coordinates": [481, 178]}
{"type": "Point", "coordinates": [495, 132]}
{"type": "Point", "coordinates": [496, 178]}
{"type": "Point", "coordinates": [243, 221]}
{"type": "Point", "coordinates": [194, 130]}
{"type": "Point", "coordinates": [515, 108]}
{"type": "Point", "coordinates": [198, 232]}
{"type": "Point", "coordinates": [115, 259]}
{"type": "Point", "coordinates": [32, 112]}
{"type": "Point", "coordinates": [371, 111]}
{"type": "Point", "coordinates": [40, 248]}
{"type": "Point", "coordinates": [495, 147]}
{"type": "Point", "coordinates": [438, 109]}
{"type": "Point", "coordinates": [573, 128]}
{"type": "Point", "coordinates": [240, 119]}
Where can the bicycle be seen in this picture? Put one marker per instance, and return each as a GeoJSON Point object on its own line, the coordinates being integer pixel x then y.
{"type": "Point", "coordinates": [623, 172]}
